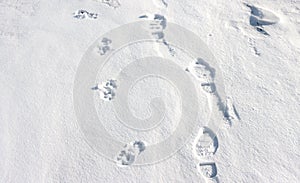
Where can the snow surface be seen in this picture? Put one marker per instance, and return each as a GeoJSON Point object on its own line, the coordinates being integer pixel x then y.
{"type": "Point", "coordinates": [256, 45]}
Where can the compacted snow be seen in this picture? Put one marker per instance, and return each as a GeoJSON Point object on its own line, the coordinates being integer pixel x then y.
{"type": "Point", "coordinates": [150, 91]}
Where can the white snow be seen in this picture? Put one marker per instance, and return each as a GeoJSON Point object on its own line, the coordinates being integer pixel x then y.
{"type": "Point", "coordinates": [42, 45]}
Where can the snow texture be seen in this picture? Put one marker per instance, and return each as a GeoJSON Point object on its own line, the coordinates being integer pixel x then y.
{"type": "Point", "coordinates": [253, 135]}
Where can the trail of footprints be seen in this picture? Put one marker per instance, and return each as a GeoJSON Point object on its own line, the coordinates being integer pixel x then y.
{"type": "Point", "coordinates": [206, 143]}
{"type": "Point", "coordinates": [130, 151]}
{"type": "Point", "coordinates": [203, 72]}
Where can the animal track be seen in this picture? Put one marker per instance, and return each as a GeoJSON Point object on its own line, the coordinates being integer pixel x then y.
{"type": "Point", "coordinates": [111, 3]}
{"type": "Point", "coordinates": [126, 157]}
{"type": "Point", "coordinates": [206, 144]}
{"type": "Point", "coordinates": [82, 14]}
{"type": "Point", "coordinates": [104, 46]}
{"type": "Point", "coordinates": [260, 17]}
{"type": "Point", "coordinates": [107, 89]}
{"type": "Point", "coordinates": [158, 26]}
{"type": "Point", "coordinates": [130, 152]}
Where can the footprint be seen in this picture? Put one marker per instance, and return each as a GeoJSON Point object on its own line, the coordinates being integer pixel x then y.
{"type": "Point", "coordinates": [104, 46]}
{"type": "Point", "coordinates": [126, 157]}
{"type": "Point", "coordinates": [208, 170]}
{"type": "Point", "coordinates": [82, 14]}
{"type": "Point", "coordinates": [157, 29]}
{"type": "Point", "coordinates": [107, 89]}
{"type": "Point", "coordinates": [139, 145]}
{"type": "Point", "coordinates": [129, 153]}
{"type": "Point", "coordinates": [260, 17]}
{"type": "Point", "coordinates": [206, 144]}
{"type": "Point", "coordinates": [209, 87]}
{"type": "Point", "coordinates": [203, 72]}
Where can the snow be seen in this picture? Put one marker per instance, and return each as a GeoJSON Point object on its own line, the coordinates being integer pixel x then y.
{"type": "Point", "coordinates": [254, 129]}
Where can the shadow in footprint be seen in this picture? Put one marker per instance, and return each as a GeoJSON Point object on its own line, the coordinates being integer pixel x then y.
{"type": "Point", "coordinates": [260, 17]}
{"type": "Point", "coordinates": [157, 28]}
{"type": "Point", "coordinates": [254, 21]}
{"type": "Point", "coordinates": [206, 143]}
{"type": "Point", "coordinates": [206, 74]}
{"type": "Point", "coordinates": [208, 170]}
{"type": "Point", "coordinates": [261, 30]}
{"type": "Point", "coordinates": [165, 3]}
